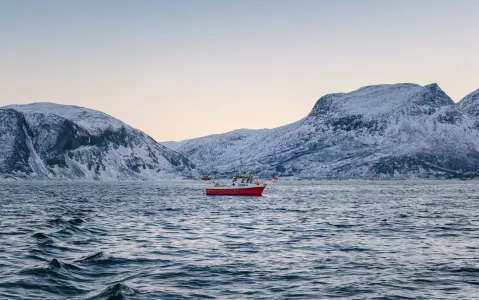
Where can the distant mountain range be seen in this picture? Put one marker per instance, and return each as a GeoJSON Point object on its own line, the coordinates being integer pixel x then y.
{"type": "Point", "coordinates": [50, 141]}
{"type": "Point", "coordinates": [397, 131]}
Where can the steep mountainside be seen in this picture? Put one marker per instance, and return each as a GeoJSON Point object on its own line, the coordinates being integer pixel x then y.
{"type": "Point", "coordinates": [470, 103]}
{"type": "Point", "coordinates": [51, 141]}
{"type": "Point", "coordinates": [397, 131]}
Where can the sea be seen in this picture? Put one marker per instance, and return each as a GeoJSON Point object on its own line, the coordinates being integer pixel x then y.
{"type": "Point", "coordinates": [301, 240]}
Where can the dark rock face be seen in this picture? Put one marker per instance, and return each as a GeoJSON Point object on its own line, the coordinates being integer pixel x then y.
{"type": "Point", "coordinates": [79, 143]}
{"type": "Point", "coordinates": [395, 131]}
{"type": "Point", "coordinates": [324, 105]}
{"type": "Point", "coordinates": [13, 137]}
{"type": "Point", "coordinates": [432, 96]}
{"type": "Point", "coordinates": [470, 103]}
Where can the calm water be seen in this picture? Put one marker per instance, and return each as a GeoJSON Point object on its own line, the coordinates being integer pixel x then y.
{"type": "Point", "coordinates": [303, 240]}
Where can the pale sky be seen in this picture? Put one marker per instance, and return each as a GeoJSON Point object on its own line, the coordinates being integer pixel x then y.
{"type": "Point", "coordinates": [182, 69]}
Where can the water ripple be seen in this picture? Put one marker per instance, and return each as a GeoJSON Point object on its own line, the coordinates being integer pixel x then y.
{"type": "Point", "coordinates": [303, 240]}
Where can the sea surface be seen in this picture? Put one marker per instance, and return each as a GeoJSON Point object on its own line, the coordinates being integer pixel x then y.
{"type": "Point", "coordinates": [301, 240]}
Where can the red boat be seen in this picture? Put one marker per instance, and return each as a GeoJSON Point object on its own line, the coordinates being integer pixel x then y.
{"type": "Point", "coordinates": [206, 178]}
{"type": "Point", "coordinates": [241, 186]}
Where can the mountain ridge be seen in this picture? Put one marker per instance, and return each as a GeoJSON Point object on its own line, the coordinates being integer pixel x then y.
{"type": "Point", "coordinates": [53, 141]}
{"type": "Point", "coordinates": [393, 131]}
{"type": "Point", "coordinates": [390, 131]}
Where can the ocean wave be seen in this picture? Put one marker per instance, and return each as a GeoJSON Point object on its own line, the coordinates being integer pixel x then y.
{"type": "Point", "coordinates": [40, 236]}
{"type": "Point", "coordinates": [116, 291]}
{"type": "Point", "coordinates": [97, 257]}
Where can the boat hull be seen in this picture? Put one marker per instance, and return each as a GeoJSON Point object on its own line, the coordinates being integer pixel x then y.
{"type": "Point", "coordinates": [249, 191]}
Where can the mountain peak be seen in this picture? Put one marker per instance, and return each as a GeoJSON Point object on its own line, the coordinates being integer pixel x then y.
{"type": "Point", "coordinates": [470, 103]}
{"type": "Point", "coordinates": [381, 99]}
{"type": "Point", "coordinates": [52, 108]}
{"type": "Point", "coordinates": [90, 119]}
{"type": "Point", "coordinates": [433, 95]}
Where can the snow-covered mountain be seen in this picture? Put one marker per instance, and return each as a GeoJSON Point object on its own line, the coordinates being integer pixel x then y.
{"type": "Point", "coordinates": [470, 103]}
{"type": "Point", "coordinates": [51, 141]}
{"type": "Point", "coordinates": [396, 131]}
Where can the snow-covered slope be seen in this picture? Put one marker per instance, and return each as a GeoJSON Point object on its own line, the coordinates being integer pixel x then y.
{"type": "Point", "coordinates": [51, 141]}
{"type": "Point", "coordinates": [394, 131]}
{"type": "Point", "coordinates": [470, 103]}
{"type": "Point", "coordinates": [91, 120]}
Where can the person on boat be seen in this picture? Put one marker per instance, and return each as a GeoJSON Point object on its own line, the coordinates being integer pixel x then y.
{"type": "Point", "coordinates": [249, 178]}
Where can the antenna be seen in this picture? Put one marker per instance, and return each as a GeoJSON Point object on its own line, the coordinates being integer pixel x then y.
{"type": "Point", "coordinates": [241, 163]}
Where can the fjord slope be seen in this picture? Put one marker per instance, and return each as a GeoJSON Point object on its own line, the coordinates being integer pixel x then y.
{"type": "Point", "coordinates": [51, 141]}
{"type": "Point", "coordinates": [395, 131]}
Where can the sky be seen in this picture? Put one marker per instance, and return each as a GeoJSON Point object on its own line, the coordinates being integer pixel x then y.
{"type": "Point", "coordinates": [181, 69]}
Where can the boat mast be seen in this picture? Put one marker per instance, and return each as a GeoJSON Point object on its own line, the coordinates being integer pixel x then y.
{"type": "Point", "coordinates": [241, 163]}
